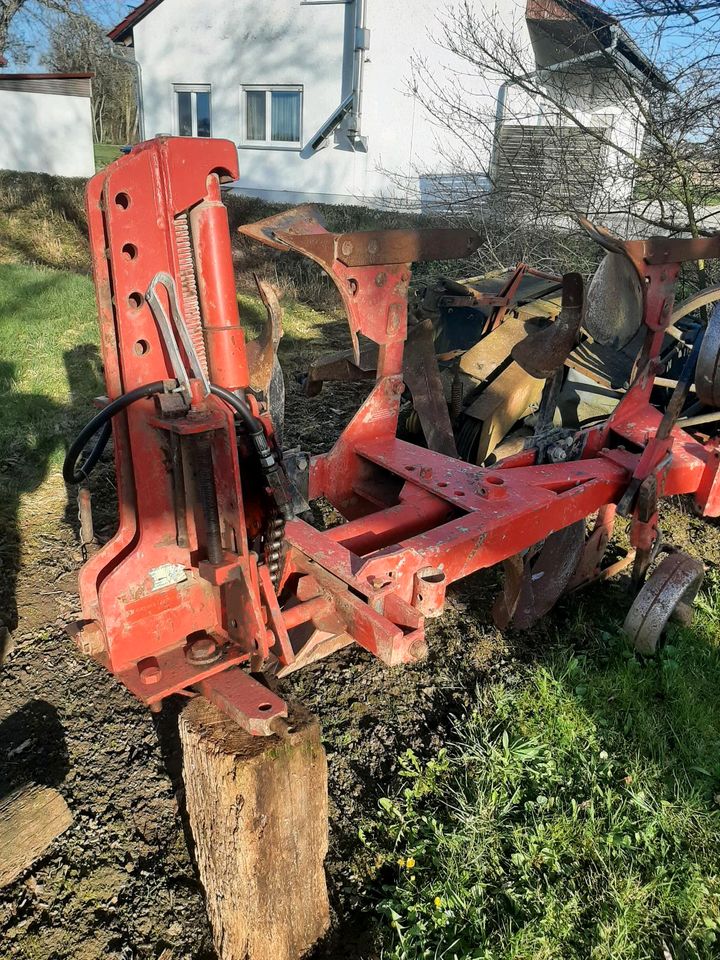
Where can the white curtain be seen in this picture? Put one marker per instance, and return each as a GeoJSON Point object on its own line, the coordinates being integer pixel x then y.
{"type": "Point", "coordinates": [285, 124]}
{"type": "Point", "coordinates": [255, 101]}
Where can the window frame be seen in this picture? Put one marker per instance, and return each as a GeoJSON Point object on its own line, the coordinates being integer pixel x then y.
{"type": "Point", "coordinates": [268, 89]}
{"type": "Point", "coordinates": [191, 88]}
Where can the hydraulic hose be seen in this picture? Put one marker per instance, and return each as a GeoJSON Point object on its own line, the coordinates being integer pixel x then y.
{"type": "Point", "coordinates": [101, 421]}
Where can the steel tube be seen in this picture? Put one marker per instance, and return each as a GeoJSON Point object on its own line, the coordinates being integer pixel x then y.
{"type": "Point", "coordinates": [224, 335]}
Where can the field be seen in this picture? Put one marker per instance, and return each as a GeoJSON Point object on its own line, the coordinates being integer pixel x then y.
{"type": "Point", "coordinates": [513, 796]}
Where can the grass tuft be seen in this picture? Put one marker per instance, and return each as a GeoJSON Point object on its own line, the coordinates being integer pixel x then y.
{"type": "Point", "coordinates": [575, 814]}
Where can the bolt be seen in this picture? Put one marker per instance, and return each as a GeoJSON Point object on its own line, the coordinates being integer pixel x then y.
{"type": "Point", "coordinates": [202, 650]}
{"type": "Point", "coordinates": [425, 473]}
{"type": "Point", "coordinates": [149, 671]}
{"type": "Point", "coordinates": [90, 639]}
{"type": "Point", "coordinates": [418, 649]}
{"type": "Point", "coordinates": [346, 248]}
{"type": "Point", "coordinates": [373, 247]}
{"type": "Point", "coordinates": [398, 386]}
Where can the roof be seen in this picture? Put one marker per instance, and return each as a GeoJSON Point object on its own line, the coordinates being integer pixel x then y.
{"type": "Point", "coordinates": [123, 30]}
{"type": "Point", "coordinates": [59, 84]}
{"type": "Point", "coordinates": [48, 76]}
{"type": "Point", "coordinates": [602, 28]}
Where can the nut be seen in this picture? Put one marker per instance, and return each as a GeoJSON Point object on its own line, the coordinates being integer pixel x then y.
{"type": "Point", "coordinates": [203, 650]}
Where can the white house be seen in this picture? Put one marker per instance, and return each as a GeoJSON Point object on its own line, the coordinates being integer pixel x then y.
{"type": "Point", "coordinates": [317, 94]}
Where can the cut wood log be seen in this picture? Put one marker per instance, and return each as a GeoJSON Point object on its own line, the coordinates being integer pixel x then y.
{"type": "Point", "coordinates": [258, 810]}
{"type": "Point", "coordinates": [30, 819]}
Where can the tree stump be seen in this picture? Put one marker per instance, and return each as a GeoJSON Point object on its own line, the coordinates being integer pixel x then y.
{"type": "Point", "coordinates": [30, 819]}
{"type": "Point", "coordinates": [258, 810]}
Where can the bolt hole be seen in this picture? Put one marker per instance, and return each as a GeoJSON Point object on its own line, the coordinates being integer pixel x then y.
{"type": "Point", "coordinates": [135, 300]}
{"type": "Point", "coordinates": [353, 285]}
{"type": "Point", "coordinates": [442, 484]}
{"type": "Point", "coordinates": [141, 348]}
{"type": "Point", "coordinates": [410, 469]}
{"type": "Point", "coordinates": [495, 481]}
{"type": "Point", "coordinates": [233, 624]}
{"type": "Point", "coordinates": [264, 707]}
{"type": "Point", "coordinates": [459, 493]}
{"type": "Point", "coordinates": [431, 576]}
{"type": "Point", "coordinates": [129, 251]}
{"type": "Point", "coordinates": [122, 200]}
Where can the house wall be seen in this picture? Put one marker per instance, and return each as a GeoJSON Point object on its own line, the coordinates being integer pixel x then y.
{"type": "Point", "coordinates": [229, 45]}
{"type": "Point", "coordinates": [46, 133]}
{"type": "Point", "coordinates": [595, 103]}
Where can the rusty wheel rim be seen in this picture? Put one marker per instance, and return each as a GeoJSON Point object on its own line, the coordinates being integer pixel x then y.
{"type": "Point", "coordinates": [669, 592]}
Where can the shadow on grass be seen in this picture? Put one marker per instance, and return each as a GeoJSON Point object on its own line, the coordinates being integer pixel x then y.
{"type": "Point", "coordinates": [34, 427]}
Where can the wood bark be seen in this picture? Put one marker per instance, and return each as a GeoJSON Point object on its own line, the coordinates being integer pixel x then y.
{"type": "Point", "coordinates": [30, 819]}
{"type": "Point", "coordinates": [258, 809]}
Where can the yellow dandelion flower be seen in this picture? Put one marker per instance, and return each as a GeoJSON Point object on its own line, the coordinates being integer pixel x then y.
{"type": "Point", "coordinates": [401, 862]}
{"type": "Point", "coordinates": [438, 902]}
{"type": "Point", "coordinates": [410, 863]}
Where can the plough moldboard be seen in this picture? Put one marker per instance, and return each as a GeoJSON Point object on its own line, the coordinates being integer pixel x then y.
{"type": "Point", "coordinates": [214, 579]}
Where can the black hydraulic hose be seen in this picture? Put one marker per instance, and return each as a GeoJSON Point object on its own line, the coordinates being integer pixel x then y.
{"type": "Point", "coordinates": [101, 421]}
{"type": "Point", "coordinates": [240, 406]}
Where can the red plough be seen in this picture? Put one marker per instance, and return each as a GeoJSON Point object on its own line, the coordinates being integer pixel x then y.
{"type": "Point", "coordinates": [212, 569]}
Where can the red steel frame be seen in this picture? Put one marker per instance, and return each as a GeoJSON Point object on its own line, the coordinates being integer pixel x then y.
{"type": "Point", "coordinates": [417, 520]}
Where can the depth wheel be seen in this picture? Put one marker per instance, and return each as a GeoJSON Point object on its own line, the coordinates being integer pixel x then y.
{"type": "Point", "coordinates": [667, 594]}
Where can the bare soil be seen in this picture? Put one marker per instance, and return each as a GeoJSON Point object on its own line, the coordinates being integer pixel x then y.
{"type": "Point", "coordinates": [121, 882]}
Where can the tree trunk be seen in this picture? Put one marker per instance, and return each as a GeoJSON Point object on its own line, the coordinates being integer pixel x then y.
{"type": "Point", "coordinates": [30, 819]}
{"type": "Point", "coordinates": [258, 811]}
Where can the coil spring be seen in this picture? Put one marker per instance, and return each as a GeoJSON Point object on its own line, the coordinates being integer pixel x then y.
{"type": "Point", "coordinates": [273, 547]}
{"type": "Point", "coordinates": [456, 396]}
{"type": "Point", "coordinates": [188, 285]}
{"type": "Point", "coordinates": [412, 424]}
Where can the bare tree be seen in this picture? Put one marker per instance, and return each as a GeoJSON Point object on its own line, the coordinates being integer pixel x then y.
{"type": "Point", "coordinates": [11, 11]}
{"type": "Point", "coordinates": [78, 43]}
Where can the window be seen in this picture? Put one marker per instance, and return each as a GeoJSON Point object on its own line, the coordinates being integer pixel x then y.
{"type": "Point", "coordinates": [192, 109]}
{"type": "Point", "coordinates": [273, 115]}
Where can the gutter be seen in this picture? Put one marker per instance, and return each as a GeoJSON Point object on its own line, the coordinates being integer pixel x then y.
{"type": "Point", "coordinates": [361, 45]}
{"type": "Point", "coordinates": [139, 107]}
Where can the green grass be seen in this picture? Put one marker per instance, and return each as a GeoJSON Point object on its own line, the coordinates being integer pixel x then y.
{"type": "Point", "coordinates": [105, 153]}
{"type": "Point", "coordinates": [50, 363]}
{"type": "Point", "coordinates": [574, 815]}
{"type": "Point", "coordinates": [49, 366]}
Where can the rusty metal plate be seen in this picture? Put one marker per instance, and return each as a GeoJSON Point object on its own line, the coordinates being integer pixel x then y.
{"type": "Point", "coordinates": [533, 588]}
{"type": "Point", "coordinates": [543, 352]}
{"type": "Point", "coordinates": [656, 250]}
{"type": "Point", "coordinates": [244, 700]}
{"type": "Point", "coordinates": [303, 228]}
{"type": "Point", "coordinates": [669, 592]}
{"type": "Point", "coordinates": [302, 220]}
{"type": "Point", "coordinates": [377, 247]}
{"type": "Point", "coordinates": [707, 372]}
{"type": "Point", "coordinates": [422, 378]}
{"type": "Point", "coordinates": [492, 351]}
{"type": "Point", "coordinates": [614, 309]}
{"type": "Point", "coordinates": [501, 404]}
